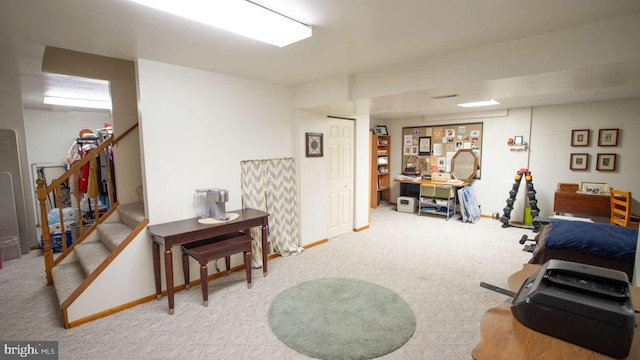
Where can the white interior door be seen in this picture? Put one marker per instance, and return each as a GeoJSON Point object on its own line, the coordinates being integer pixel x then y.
{"type": "Point", "coordinates": [340, 150]}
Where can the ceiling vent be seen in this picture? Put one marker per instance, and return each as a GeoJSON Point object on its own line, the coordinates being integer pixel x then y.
{"type": "Point", "coordinates": [443, 96]}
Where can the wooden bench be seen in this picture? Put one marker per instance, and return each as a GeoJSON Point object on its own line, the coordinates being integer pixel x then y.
{"type": "Point", "coordinates": [215, 248]}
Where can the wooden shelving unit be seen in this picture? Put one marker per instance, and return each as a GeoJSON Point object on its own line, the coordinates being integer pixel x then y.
{"type": "Point", "coordinates": [380, 170]}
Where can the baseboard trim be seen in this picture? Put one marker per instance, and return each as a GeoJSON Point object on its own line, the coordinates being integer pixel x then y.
{"type": "Point", "coordinates": [361, 228]}
{"type": "Point", "coordinates": [310, 245]}
{"type": "Point", "coordinates": [113, 310]}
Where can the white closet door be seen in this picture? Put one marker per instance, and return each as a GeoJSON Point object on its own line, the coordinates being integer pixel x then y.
{"type": "Point", "coordinates": [340, 150]}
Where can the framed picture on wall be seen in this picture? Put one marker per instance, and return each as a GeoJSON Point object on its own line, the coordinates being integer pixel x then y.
{"type": "Point", "coordinates": [380, 130]}
{"type": "Point", "coordinates": [579, 162]}
{"type": "Point", "coordinates": [314, 144]}
{"type": "Point", "coordinates": [608, 137]}
{"type": "Point", "coordinates": [606, 162]}
{"type": "Point", "coordinates": [580, 137]}
{"type": "Point", "coordinates": [425, 145]}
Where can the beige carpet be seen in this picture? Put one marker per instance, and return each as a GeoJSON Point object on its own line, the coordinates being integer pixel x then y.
{"type": "Point", "coordinates": [435, 265]}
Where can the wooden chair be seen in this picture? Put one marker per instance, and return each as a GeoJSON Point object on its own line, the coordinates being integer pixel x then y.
{"type": "Point", "coordinates": [621, 209]}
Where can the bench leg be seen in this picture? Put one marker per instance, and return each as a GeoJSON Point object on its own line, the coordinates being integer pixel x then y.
{"type": "Point", "coordinates": [204, 284]}
{"type": "Point", "coordinates": [185, 269]}
{"type": "Point", "coordinates": [247, 266]}
{"type": "Point", "coordinates": [227, 262]}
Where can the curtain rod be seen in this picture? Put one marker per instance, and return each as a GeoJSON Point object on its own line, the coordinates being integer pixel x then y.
{"type": "Point", "coordinates": [287, 158]}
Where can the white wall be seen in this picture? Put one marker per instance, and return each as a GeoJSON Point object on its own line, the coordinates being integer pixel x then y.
{"type": "Point", "coordinates": [11, 117]}
{"type": "Point", "coordinates": [548, 132]}
{"type": "Point", "coordinates": [50, 134]}
{"type": "Point", "coordinates": [551, 146]}
{"type": "Point", "coordinates": [313, 178]}
{"type": "Point", "coordinates": [314, 207]}
{"type": "Point", "coordinates": [362, 171]}
{"type": "Point", "coordinates": [499, 164]}
{"type": "Point", "coordinates": [196, 128]}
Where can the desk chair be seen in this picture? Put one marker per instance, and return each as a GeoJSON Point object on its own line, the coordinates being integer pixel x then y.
{"type": "Point", "coordinates": [621, 209]}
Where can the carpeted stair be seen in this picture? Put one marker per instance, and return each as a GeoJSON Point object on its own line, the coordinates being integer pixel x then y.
{"type": "Point", "coordinates": [67, 277]}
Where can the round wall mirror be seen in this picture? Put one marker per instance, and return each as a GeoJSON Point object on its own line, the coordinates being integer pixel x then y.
{"type": "Point", "coordinates": [464, 165]}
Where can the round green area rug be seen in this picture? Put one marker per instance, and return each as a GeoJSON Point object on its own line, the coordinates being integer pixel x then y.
{"type": "Point", "coordinates": [341, 318]}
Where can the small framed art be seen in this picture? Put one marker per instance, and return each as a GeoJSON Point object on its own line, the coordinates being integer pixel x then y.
{"type": "Point", "coordinates": [580, 137]}
{"type": "Point", "coordinates": [606, 162]}
{"type": "Point", "coordinates": [608, 137]}
{"type": "Point", "coordinates": [380, 130]}
{"type": "Point", "coordinates": [594, 188]}
{"type": "Point", "coordinates": [314, 144]}
{"type": "Point", "coordinates": [425, 145]}
{"type": "Point", "coordinates": [579, 162]}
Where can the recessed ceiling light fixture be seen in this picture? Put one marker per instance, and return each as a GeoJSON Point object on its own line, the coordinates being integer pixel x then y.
{"type": "Point", "coordinates": [83, 103]}
{"type": "Point", "coordinates": [479, 103]}
{"type": "Point", "coordinates": [242, 17]}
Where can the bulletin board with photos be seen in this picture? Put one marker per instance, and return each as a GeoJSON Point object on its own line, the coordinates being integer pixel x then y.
{"type": "Point", "coordinates": [430, 149]}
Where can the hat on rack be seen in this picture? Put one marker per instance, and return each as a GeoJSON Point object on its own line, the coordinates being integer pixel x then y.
{"type": "Point", "coordinates": [87, 134]}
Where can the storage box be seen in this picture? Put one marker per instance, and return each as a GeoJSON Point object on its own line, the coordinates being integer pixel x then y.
{"type": "Point", "coordinates": [427, 190]}
{"type": "Point", "coordinates": [56, 241]}
{"type": "Point", "coordinates": [407, 204]}
{"type": "Point", "coordinates": [443, 191]}
{"type": "Point", "coordinates": [9, 242]}
{"type": "Point", "coordinates": [436, 176]}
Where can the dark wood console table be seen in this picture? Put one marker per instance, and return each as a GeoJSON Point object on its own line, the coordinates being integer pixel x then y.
{"type": "Point", "coordinates": [503, 337]}
{"type": "Point", "coordinates": [581, 204]}
{"type": "Point", "coordinates": [189, 230]}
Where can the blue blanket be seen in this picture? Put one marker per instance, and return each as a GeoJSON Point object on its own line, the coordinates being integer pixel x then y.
{"type": "Point", "coordinates": [598, 239]}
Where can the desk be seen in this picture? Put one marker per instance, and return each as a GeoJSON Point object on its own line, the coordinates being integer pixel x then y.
{"type": "Point", "coordinates": [189, 230]}
{"type": "Point", "coordinates": [503, 337]}
{"type": "Point", "coordinates": [412, 188]}
{"type": "Point", "coordinates": [581, 204]}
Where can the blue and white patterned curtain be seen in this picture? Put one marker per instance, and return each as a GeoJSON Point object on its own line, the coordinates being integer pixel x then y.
{"type": "Point", "coordinates": [270, 185]}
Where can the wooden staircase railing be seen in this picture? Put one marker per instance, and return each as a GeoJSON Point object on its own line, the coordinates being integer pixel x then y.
{"type": "Point", "coordinates": [43, 192]}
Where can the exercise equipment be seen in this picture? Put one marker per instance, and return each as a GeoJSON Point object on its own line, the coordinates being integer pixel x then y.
{"type": "Point", "coordinates": [531, 195]}
{"type": "Point", "coordinates": [528, 247]}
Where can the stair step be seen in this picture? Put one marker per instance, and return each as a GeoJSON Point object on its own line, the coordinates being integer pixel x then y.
{"type": "Point", "coordinates": [67, 278]}
{"type": "Point", "coordinates": [131, 214]}
{"type": "Point", "coordinates": [112, 234]}
{"type": "Point", "coordinates": [91, 255]}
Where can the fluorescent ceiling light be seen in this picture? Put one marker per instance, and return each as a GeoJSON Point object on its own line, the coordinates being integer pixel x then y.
{"type": "Point", "coordinates": [479, 103]}
{"type": "Point", "coordinates": [84, 103]}
{"type": "Point", "coordinates": [238, 16]}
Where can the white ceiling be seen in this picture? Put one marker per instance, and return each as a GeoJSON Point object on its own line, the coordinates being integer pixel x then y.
{"type": "Point", "coordinates": [349, 37]}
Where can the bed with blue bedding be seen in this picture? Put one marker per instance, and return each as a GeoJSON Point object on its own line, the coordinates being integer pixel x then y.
{"type": "Point", "coordinates": [596, 244]}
